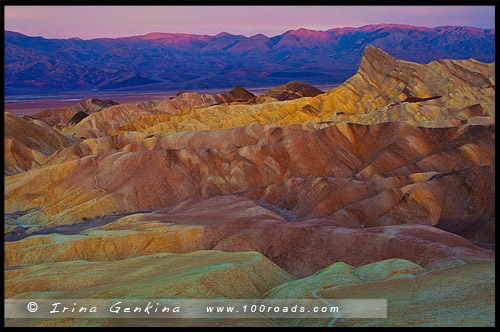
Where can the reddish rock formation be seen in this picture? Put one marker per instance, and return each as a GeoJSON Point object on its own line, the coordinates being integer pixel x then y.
{"type": "Point", "coordinates": [232, 223]}
{"type": "Point", "coordinates": [185, 100]}
{"type": "Point", "coordinates": [77, 118]}
{"type": "Point", "coordinates": [293, 90]}
{"type": "Point", "coordinates": [363, 176]}
{"type": "Point", "coordinates": [99, 123]}
{"type": "Point", "coordinates": [27, 144]}
{"type": "Point", "coordinates": [61, 116]}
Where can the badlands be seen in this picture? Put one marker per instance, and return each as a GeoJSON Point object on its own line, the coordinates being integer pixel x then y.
{"type": "Point", "coordinates": [382, 188]}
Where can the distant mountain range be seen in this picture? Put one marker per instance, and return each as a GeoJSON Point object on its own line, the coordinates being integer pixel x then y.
{"type": "Point", "coordinates": [166, 61]}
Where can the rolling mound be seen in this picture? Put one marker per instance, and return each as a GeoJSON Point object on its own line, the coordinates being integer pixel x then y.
{"type": "Point", "coordinates": [188, 100]}
{"type": "Point", "coordinates": [27, 144]}
{"type": "Point", "coordinates": [233, 223]}
{"type": "Point", "coordinates": [251, 275]}
{"type": "Point", "coordinates": [386, 186]}
{"type": "Point", "coordinates": [61, 116]}
{"type": "Point", "coordinates": [293, 90]}
{"type": "Point", "coordinates": [409, 289]}
{"type": "Point", "coordinates": [456, 295]}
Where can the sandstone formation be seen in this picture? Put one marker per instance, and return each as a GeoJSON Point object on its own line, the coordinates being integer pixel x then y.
{"type": "Point", "coordinates": [27, 144]}
{"type": "Point", "coordinates": [232, 223]}
{"type": "Point", "coordinates": [395, 90]}
{"type": "Point", "coordinates": [293, 90]}
{"type": "Point", "coordinates": [439, 94]}
{"type": "Point", "coordinates": [53, 116]}
{"type": "Point", "coordinates": [308, 172]}
{"type": "Point", "coordinates": [61, 116]}
{"type": "Point", "coordinates": [188, 100]}
{"type": "Point", "coordinates": [458, 296]}
{"type": "Point", "coordinates": [410, 289]}
{"type": "Point", "coordinates": [77, 118]}
{"type": "Point", "coordinates": [249, 274]}
{"type": "Point", "coordinates": [100, 123]}
{"type": "Point", "coordinates": [341, 274]}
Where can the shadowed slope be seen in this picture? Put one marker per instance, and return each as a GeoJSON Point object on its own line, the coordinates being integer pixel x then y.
{"type": "Point", "coordinates": [28, 143]}
{"type": "Point", "coordinates": [399, 186]}
{"type": "Point", "coordinates": [187, 100]}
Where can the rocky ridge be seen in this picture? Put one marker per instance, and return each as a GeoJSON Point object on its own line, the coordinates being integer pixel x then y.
{"type": "Point", "coordinates": [189, 100]}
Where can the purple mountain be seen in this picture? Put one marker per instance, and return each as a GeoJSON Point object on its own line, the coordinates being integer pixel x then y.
{"type": "Point", "coordinates": [164, 61]}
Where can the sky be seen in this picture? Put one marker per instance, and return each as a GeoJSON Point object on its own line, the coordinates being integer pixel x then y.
{"type": "Point", "coordinates": [89, 22]}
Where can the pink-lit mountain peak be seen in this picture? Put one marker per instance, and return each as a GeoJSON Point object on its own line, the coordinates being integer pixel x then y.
{"type": "Point", "coordinates": [302, 33]}
{"type": "Point", "coordinates": [374, 27]}
{"type": "Point", "coordinates": [172, 36]}
{"type": "Point", "coordinates": [226, 58]}
{"type": "Point", "coordinates": [440, 29]}
{"type": "Point", "coordinates": [222, 34]}
{"type": "Point", "coordinates": [309, 34]}
{"type": "Point", "coordinates": [166, 38]}
{"type": "Point", "coordinates": [393, 26]}
{"type": "Point", "coordinates": [462, 30]}
{"type": "Point", "coordinates": [180, 38]}
{"type": "Point", "coordinates": [259, 37]}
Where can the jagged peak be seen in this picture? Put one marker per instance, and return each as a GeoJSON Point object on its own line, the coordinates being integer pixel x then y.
{"type": "Point", "coordinates": [99, 102]}
{"type": "Point", "coordinates": [293, 90]}
{"type": "Point", "coordinates": [239, 92]}
{"type": "Point", "coordinates": [303, 32]}
{"type": "Point", "coordinates": [374, 52]}
{"type": "Point", "coordinates": [374, 57]}
{"type": "Point", "coordinates": [238, 87]}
